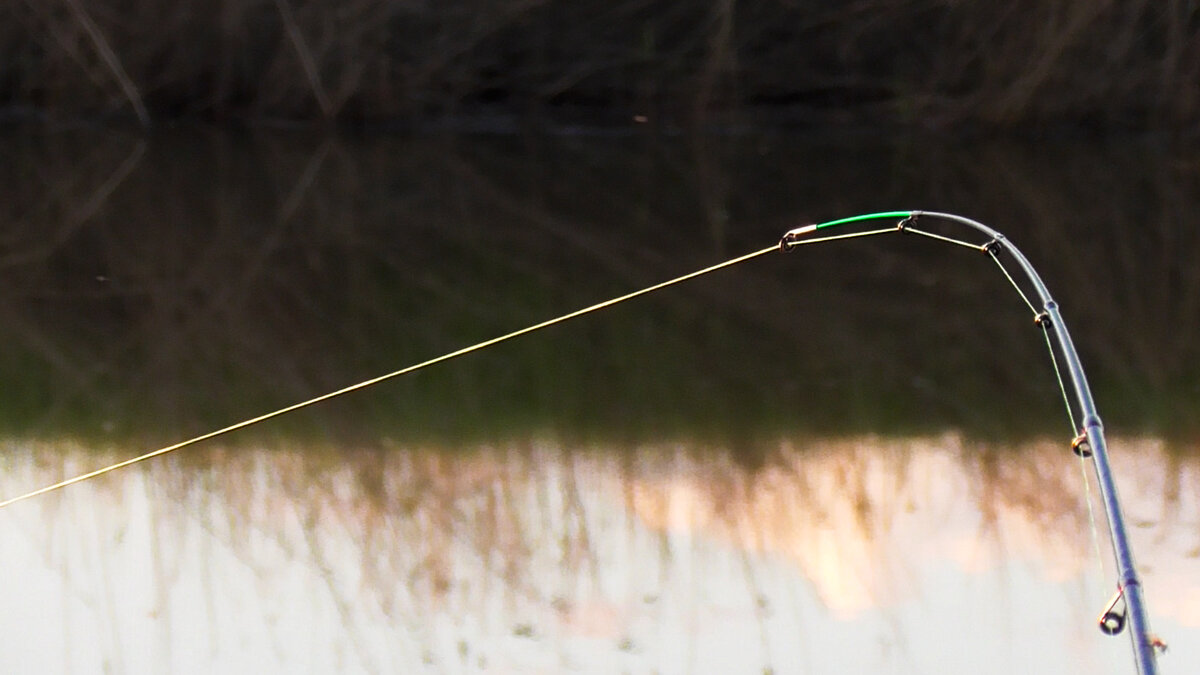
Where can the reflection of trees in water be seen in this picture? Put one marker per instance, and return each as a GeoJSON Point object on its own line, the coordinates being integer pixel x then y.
{"type": "Point", "coordinates": [525, 554]}
{"type": "Point", "coordinates": [205, 277]}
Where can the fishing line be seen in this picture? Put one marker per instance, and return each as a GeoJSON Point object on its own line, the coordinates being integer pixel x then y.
{"type": "Point", "coordinates": [1062, 386]}
{"type": "Point", "coordinates": [912, 230]}
{"type": "Point", "coordinates": [1032, 309]}
{"type": "Point", "coordinates": [1078, 445]}
{"type": "Point", "coordinates": [852, 235]}
{"type": "Point", "coordinates": [1087, 495]}
{"type": "Point", "coordinates": [376, 380]}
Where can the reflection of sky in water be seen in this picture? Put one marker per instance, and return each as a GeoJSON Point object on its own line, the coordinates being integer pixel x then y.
{"type": "Point", "coordinates": [858, 556]}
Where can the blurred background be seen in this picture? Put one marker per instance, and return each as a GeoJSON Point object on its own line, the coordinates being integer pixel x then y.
{"type": "Point", "coordinates": [852, 458]}
{"type": "Point", "coordinates": [694, 65]}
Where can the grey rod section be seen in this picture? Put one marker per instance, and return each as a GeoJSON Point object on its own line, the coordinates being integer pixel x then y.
{"type": "Point", "coordinates": [1143, 648]}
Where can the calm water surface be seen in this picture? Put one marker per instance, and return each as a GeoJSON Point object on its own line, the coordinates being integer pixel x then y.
{"type": "Point", "coordinates": [850, 459]}
{"type": "Point", "coordinates": [851, 555]}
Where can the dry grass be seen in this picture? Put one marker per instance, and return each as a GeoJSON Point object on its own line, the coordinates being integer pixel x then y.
{"type": "Point", "coordinates": [934, 63]}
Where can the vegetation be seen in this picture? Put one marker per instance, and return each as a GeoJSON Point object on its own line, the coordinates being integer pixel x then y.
{"type": "Point", "coordinates": [929, 63]}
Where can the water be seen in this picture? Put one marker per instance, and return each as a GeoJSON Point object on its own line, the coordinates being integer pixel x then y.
{"type": "Point", "coordinates": [853, 458]}
{"type": "Point", "coordinates": [856, 555]}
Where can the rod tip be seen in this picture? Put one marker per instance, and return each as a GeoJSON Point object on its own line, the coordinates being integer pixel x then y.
{"type": "Point", "coordinates": [792, 236]}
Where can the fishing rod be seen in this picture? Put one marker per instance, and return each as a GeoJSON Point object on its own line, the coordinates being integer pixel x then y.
{"type": "Point", "coordinates": [1088, 443]}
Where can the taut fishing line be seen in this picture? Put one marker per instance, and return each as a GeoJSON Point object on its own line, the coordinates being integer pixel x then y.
{"type": "Point", "coordinates": [1088, 442]}
{"type": "Point", "coordinates": [376, 380]}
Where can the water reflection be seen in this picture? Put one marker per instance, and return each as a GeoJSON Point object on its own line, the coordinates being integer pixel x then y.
{"type": "Point", "coordinates": [862, 555]}
{"type": "Point", "coordinates": [138, 278]}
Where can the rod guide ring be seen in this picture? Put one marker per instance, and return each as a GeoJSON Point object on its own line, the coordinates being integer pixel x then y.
{"type": "Point", "coordinates": [1080, 446]}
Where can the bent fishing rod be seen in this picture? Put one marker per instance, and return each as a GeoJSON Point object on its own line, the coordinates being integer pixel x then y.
{"type": "Point", "coordinates": [1088, 442]}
